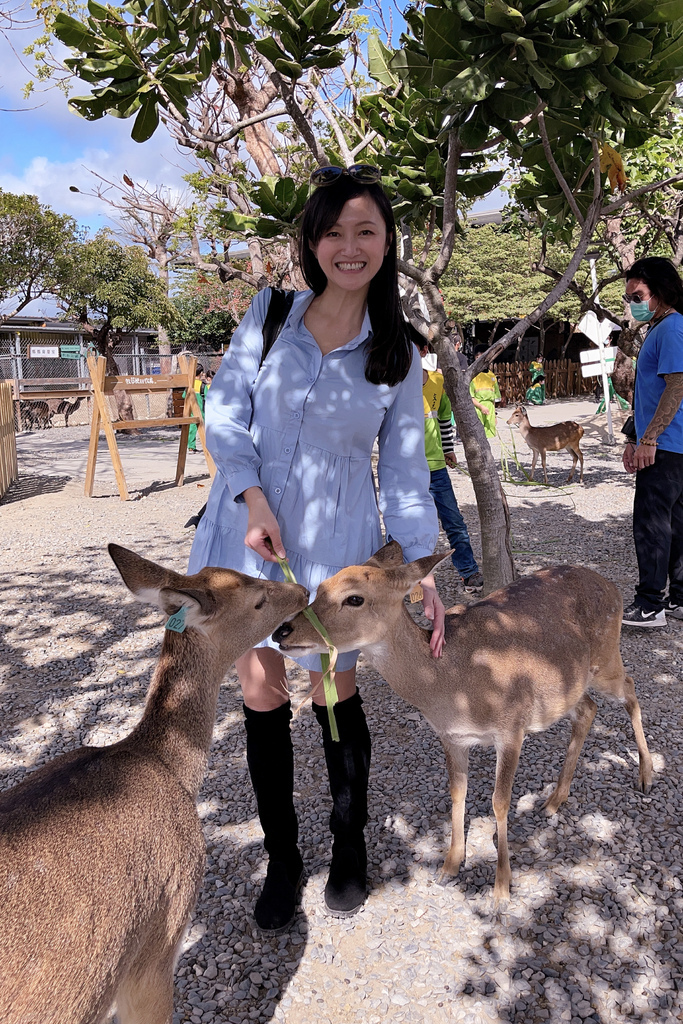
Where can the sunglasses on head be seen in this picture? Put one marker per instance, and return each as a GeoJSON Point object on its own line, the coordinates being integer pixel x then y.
{"type": "Point", "coordinates": [366, 174]}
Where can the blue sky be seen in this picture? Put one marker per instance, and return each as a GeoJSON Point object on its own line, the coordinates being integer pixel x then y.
{"type": "Point", "coordinates": [45, 148]}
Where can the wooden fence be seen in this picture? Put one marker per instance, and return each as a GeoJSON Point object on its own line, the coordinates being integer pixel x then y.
{"type": "Point", "coordinates": [9, 470]}
{"type": "Point", "coordinates": [562, 380]}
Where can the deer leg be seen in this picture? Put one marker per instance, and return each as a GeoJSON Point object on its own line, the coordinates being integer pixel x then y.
{"type": "Point", "coordinates": [575, 460]}
{"type": "Point", "coordinates": [615, 682]}
{"type": "Point", "coordinates": [582, 716]}
{"type": "Point", "coordinates": [456, 761]}
{"type": "Point", "coordinates": [545, 471]}
{"type": "Point", "coordinates": [506, 766]}
{"type": "Point", "coordinates": [533, 462]}
{"type": "Point", "coordinates": [580, 454]}
{"type": "Point", "coordinates": [146, 995]}
{"type": "Point", "coordinates": [633, 708]}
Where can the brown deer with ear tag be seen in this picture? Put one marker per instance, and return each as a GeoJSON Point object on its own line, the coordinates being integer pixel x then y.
{"type": "Point", "coordinates": [513, 663]}
{"type": "Point", "coordinates": [101, 850]}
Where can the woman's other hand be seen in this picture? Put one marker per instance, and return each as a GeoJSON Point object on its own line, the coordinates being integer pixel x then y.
{"type": "Point", "coordinates": [436, 613]}
{"type": "Point", "coordinates": [262, 526]}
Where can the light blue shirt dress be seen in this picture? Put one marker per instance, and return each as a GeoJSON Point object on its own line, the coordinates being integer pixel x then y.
{"type": "Point", "coordinates": [303, 428]}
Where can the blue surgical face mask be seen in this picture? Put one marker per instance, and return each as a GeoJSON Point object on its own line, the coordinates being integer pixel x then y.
{"type": "Point", "coordinates": [641, 311]}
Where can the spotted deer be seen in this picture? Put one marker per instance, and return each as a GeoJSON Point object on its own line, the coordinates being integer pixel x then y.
{"type": "Point", "coordinates": [550, 439]}
{"type": "Point", "coordinates": [101, 849]}
{"type": "Point", "coordinates": [513, 664]}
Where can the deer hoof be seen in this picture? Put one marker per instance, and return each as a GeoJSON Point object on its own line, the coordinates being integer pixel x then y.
{"type": "Point", "coordinates": [553, 804]}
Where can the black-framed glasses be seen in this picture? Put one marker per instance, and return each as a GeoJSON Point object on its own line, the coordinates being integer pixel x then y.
{"type": "Point", "coordinates": [635, 297]}
{"type": "Point", "coordinates": [366, 174]}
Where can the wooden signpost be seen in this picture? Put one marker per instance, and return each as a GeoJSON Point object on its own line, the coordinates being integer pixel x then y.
{"type": "Point", "coordinates": [104, 386]}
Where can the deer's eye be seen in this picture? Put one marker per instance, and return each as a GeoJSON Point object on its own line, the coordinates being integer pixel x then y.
{"type": "Point", "coordinates": [260, 603]}
{"type": "Point", "coordinates": [355, 600]}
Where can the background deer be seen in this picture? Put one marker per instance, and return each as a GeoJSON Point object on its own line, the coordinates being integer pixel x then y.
{"type": "Point", "coordinates": [514, 663]}
{"type": "Point", "coordinates": [549, 439]}
{"type": "Point", "coordinates": [101, 850]}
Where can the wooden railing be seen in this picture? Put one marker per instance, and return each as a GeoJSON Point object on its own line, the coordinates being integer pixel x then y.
{"type": "Point", "coordinates": [9, 470]}
{"type": "Point", "coordinates": [562, 380]}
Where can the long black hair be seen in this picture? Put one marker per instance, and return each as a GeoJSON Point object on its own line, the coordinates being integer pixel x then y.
{"type": "Point", "coordinates": [390, 351]}
{"type": "Point", "coordinates": [661, 277]}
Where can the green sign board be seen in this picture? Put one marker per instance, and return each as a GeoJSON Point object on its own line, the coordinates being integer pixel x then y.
{"type": "Point", "coordinates": [70, 351]}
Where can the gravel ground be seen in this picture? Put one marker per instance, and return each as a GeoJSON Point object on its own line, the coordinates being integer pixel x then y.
{"type": "Point", "coordinates": [593, 929]}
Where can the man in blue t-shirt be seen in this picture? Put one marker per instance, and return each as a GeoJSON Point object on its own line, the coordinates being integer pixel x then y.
{"type": "Point", "coordinates": [655, 450]}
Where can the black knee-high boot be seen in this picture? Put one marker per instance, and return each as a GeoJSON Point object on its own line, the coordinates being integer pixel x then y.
{"type": "Point", "coordinates": [348, 767]}
{"type": "Point", "coordinates": [271, 767]}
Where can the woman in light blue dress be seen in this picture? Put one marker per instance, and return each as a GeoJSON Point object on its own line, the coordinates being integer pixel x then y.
{"type": "Point", "coordinates": [292, 440]}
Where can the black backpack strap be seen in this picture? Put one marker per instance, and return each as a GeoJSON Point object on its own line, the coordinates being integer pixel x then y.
{"type": "Point", "coordinates": [278, 311]}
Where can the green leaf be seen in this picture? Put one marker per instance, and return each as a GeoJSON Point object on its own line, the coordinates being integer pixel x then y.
{"type": "Point", "coordinates": [475, 185]}
{"type": "Point", "coordinates": [670, 56]}
{"type": "Point", "coordinates": [474, 133]}
{"type": "Point", "coordinates": [634, 48]}
{"type": "Point", "coordinates": [471, 86]}
{"type": "Point", "coordinates": [269, 49]}
{"type": "Point", "coordinates": [573, 9]}
{"type": "Point", "coordinates": [621, 84]}
{"type": "Point", "coordinates": [435, 168]}
{"type": "Point", "coordinates": [379, 58]}
{"type": "Point", "coordinates": [147, 120]}
{"type": "Point", "coordinates": [579, 59]}
{"type": "Point", "coordinates": [289, 68]}
{"type": "Point", "coordinates": [541, 77]}
{"type": "Point", "coordinates": [659, 99]}
{"type": "Point", "coordinates": [512, 104]}
{"type": "Point", "coordinates": [549, 9]}
{"type": "Point", "coordinates": [285, 194]}
{"type": "Point", "coordinates": [669, 10]}
{"type": "Point", "coordinates": [522, 43]}
{"type": "Point", "coordinates": [72, 33]}
{"type": "Point", "coordinates": [500, 14]}
{"type": "Point", "coordinates": [441, 30]}
{"type": "Point", "coordinates": [205, 62]}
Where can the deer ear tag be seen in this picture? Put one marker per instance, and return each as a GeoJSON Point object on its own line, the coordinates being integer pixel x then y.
{"type": "Point", "coordinates": [176, 622]}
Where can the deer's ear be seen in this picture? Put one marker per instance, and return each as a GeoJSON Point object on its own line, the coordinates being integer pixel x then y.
{"type": "Point", "coordinates": [407, 576]}
{"type": "Point", "coordinates": [199, 605]}
{"type": "Point", "coordinates": [152, 584]}
{"type": "Point", "coordinates": [391, 554]}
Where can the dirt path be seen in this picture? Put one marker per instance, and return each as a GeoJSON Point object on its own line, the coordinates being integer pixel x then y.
{"type": "Point", "coordinates": [593, 931]}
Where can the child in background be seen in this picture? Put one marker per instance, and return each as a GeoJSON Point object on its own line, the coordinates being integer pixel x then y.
{"type": "Point", "coordinates": [440, 454]}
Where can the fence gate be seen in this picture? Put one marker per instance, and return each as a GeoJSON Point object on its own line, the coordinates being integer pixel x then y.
{"type": "Point", "coordinates": [9, 470]}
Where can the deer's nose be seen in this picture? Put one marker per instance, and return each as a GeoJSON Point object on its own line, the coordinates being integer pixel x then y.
{"type": "Point", "coordinates": [282, 632]}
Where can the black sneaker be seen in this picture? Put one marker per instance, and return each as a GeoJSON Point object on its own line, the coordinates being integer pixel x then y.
{"type": "Point", "coordinates": [673, 609]}
{"type": "Point", "coordinates": [634, 615]}
{"type": "Point", "coordinates": [473, 583]}
{"type": "Point", "coordinates": [276, 906]}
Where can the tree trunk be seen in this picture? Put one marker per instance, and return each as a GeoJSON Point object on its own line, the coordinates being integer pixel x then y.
{"type": "Point", "coordinates": [498, 564]}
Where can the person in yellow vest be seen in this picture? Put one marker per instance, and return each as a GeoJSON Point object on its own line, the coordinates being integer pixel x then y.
{"type": "Point", "coordinates": [440, 454]}
{"type": "Point", "coordinates": [200, 387]}
{"type": "Point", "coordinates": [484, 392]}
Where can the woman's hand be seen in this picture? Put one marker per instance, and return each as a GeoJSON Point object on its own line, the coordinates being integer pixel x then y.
{"type": "Point", "coordinates": [434, 610]}
{"type": "Point", "coordinates": [479, 406]}
{"type": "Point", "coordinates": [262, 526]}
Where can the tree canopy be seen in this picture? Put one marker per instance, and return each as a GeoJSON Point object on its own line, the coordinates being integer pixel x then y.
{"type": "Point", "coordinates": [36, 248]}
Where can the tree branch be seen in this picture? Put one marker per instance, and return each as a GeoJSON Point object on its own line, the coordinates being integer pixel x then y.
{"type": "Point", "coordinates": [449, 208]}
{"type": "Point", "coordinates": [568, 194]}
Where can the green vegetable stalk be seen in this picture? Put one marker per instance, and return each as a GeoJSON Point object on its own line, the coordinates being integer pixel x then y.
{"type": "Point", "coordinates": [328, 661]}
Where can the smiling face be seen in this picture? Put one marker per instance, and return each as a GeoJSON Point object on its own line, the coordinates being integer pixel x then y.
{"type": "Point", "coordinates": [352, 250]}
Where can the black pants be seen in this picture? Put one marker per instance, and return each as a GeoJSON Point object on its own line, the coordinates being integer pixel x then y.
{"type": "Point", "coordinates": [658, 530]}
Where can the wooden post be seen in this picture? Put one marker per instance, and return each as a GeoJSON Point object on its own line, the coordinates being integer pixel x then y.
{"type": "Point", "coordinates": [98, 371]}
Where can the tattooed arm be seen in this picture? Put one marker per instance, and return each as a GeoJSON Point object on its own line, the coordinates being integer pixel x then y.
{"type": "Point", "coordinates": [669, 404]}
